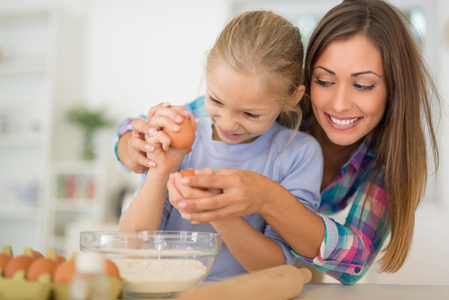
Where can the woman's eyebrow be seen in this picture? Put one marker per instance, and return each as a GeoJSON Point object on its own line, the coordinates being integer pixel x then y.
{"type": "Point", "coordinates": [327, 70]}
{"type": "Point", "coordinates": [365, 72]}
{"type": "Point", "coordinates": [352, 75]}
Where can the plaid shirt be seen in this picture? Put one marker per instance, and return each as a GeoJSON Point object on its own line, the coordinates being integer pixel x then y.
{"type": "Point", "coordinates": [348, 249]}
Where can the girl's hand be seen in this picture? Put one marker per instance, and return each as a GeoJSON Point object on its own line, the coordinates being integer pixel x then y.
{"type": "Point", "coordinates": [167, 159]}
{"type": "Point", "coordinates": [134, 156]}
{"type": "Point", "coordinates": [243, 192]}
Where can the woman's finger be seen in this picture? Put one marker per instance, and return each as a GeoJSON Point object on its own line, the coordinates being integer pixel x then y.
{"type": "Point", "coordinates": [204, 216]}
{"type": "Point", "coordinates": [188, 191]}
{"type": "Point", "coordinates": [210, 202]}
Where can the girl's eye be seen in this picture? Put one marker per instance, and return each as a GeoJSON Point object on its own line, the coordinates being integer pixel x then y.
{"type": "Point", "coordinates": [252, 116]}
{"type": "Point", "coordinates": [360, 87]}
{"type": "Point", "coordinates": [215, 101]}
{"type": "Point", "coordinates": [323, 83]}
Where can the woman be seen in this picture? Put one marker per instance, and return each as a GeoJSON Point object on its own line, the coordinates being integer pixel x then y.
{"type": "Point", "coordinates": [369, 92]}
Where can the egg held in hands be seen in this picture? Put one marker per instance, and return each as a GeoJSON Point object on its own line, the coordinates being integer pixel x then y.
{"type": "Point", "coordinates": [184, 138]}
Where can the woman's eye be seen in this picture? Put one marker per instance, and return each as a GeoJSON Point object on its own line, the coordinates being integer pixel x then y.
{"type": "Point", "coordinates": [323, 83]}
{"type": "Point", "coordinates": [252, 116]}
{"type": "Point", "coordinates": [360, 87]}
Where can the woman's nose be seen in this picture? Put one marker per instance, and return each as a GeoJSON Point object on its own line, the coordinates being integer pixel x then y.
{"type": "Point", "coordinates": [342, 100]}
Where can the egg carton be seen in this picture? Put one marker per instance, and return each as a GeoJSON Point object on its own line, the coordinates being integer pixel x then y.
{"type": "Point", "coordinates": [19, 288]}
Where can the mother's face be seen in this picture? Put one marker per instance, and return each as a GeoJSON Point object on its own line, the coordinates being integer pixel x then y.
{"type": "Point", "coordinates": [348, 90]}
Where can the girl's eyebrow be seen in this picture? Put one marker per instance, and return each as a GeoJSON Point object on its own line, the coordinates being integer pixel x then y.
{"type": "Point", "coordinates": [352, 75]}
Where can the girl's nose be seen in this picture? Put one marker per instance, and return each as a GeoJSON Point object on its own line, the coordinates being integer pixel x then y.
{"type": "Point", "coordinates": [342, 99]}
{"type": "Point", "coordinates": [228, 122]}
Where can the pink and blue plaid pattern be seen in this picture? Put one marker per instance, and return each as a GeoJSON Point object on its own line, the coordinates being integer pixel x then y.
{"type": "Point", "coordinates": [355, 243]}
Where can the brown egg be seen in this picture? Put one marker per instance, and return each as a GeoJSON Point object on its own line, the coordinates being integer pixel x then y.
{"type": "Point", "coordinates": [61, 258]}
{"type": "Point", "coordinates": [18, 263]}
{"type": "Point", "coordinates": [4, 259]}
{"type": "Point", "coordinates": [190, 172]}
{"type": "Point", "coordinates": [111, 269]}
{"type": "Point", "coordinates": [37, 254]}
{"type": "Point", "coordinates": [63, 274]}
{"type": "Point", "coordinates": [183, 138]}
{"type": "Point", "coordinates": [187, 172]}
{"type": "Point", "coordinates": [41, 266]}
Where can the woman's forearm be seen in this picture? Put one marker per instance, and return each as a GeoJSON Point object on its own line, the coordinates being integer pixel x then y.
{"type": "Point", "coordinates": [122, 147]}
{"type": "Point", "coordinates": [301, 228]}
{"type": "Point", "coordinates": [252, 249]}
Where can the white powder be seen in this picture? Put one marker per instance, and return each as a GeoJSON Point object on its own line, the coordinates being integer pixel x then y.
{"type": "Point", "coordinates": [159, 275]}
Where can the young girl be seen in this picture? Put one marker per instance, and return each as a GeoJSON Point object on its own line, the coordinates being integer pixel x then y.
{"type": "Point", "coordinates": [253, 86]}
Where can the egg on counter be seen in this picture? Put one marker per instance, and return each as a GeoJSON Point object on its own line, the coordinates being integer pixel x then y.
{"type": "Point", "coordinates": [183, 138]}
{"type": "Point", "coordinates": [111, 269]}
{"type": "Point", "coordinates": [41, 266]}
{"type": "Point", "coordinates": [4, 259]}
{"type": "Point", "coordinates": [37, 254]}
{"type": "Point", "coordinates": [18, 263]}
{"type": "Point", "coordinates": [63, 274]}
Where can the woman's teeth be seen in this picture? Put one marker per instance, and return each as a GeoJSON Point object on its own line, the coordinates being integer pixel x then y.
{"type": "Point", "coordinates": [343, 122]}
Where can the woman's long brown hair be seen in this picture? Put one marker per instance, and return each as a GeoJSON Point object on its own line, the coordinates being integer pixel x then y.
{"type": "Point", "coordinates": [401, 135]}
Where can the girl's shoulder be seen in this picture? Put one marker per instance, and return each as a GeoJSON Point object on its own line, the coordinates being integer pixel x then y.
{"type": "Point", "coordinates": [292, 142]}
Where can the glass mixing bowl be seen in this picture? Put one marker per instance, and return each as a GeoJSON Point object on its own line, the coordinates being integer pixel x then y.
{"type": "Point", "coordinates": [156, 264]}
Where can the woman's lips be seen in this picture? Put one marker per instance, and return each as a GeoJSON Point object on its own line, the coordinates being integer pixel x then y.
{"type": "Point", "coordinates": [342, 123]}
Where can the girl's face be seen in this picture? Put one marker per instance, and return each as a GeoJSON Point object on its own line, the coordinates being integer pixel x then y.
{"type": "Point", "coordinates": [348, 90]}
{"type": "Point", "coordinates": [239, 109]}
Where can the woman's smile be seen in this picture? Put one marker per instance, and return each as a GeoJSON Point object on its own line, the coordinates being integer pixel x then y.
{"type": "Point", "coordinates": [340, 123]}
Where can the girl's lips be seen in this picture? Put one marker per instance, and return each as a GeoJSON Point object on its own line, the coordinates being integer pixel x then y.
{"type": "Point", "coordinates": [342, 123]}
{"type": "Point", "coordinates": [228, 135]}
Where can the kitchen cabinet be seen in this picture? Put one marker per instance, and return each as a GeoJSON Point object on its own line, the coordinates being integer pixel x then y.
{"type": "Point", "coordinates": [77, 194]}
{"type": "Point", "coordinates": [27, 58]}
{"type": "Point", "coordinates": [41, 54]}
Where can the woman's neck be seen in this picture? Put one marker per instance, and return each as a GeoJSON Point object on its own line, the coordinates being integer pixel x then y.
{"type": "Point", "coordinates": [334, 155]}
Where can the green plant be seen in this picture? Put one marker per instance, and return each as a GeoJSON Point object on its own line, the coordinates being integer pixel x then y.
{"type": "Point", "coordinates": [90, 121]}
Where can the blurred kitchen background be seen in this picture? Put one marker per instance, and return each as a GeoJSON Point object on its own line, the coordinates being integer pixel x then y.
{"type": "Point", "coordinates": [67, 64]}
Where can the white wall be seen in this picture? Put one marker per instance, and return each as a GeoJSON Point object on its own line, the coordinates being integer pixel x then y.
{"type": "Point", "coordinates": [144, 52]}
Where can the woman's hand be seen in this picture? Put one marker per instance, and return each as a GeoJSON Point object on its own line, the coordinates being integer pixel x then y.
{"type": "Point", "coordinates": [243, 192]}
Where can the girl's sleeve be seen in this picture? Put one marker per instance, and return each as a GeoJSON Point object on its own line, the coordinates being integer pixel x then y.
{"type": "Point", "coordinates": [196, 108]}
{"type": "Point", "coordinates": [349, 249]}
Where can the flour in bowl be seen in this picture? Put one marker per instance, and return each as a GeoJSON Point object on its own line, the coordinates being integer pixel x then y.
{"type": "Point", "coordinates": [159, 275]}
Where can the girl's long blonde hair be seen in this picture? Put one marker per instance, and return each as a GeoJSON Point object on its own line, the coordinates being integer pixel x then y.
{"type": "Point", "coordinates": [400, 136]}
{"type": "Point", "coordinates": [269, 46]}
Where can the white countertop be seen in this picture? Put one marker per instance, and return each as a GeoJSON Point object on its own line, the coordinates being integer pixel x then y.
{"type": "Point", "coordinates": [326, 291]}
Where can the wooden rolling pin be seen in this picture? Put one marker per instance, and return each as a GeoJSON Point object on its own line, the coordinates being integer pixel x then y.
{"type": "Point", "coordinates": [277, 283]}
